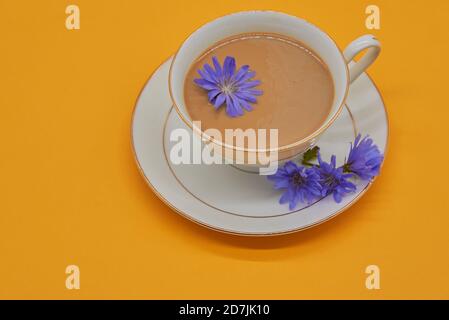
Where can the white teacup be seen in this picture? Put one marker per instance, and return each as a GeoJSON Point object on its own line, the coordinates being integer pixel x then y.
{"type": "Point", "coordinates": [283, 24]}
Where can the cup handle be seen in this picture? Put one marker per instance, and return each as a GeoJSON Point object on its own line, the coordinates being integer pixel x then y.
{"type": "Point", "coordinates": [364, 42]}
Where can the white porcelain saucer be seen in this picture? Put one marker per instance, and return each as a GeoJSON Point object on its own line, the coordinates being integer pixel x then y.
{"type": "Point", "coordinates": [226, 199]}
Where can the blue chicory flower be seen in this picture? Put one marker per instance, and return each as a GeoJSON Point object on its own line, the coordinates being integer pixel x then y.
{"type": "Point", "coordinates": [301, 184]}
{"type": "Point", "coordinates": [333, 180]}
{"type": "Point", "coordinates": [364, 158]}
{"type": "Point", "coordinates": [225, 85]}
{"type": "Point", "coordinates": [304, 184]}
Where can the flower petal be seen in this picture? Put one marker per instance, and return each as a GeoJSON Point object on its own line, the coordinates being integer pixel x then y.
{"type": "Point", "coordinates": [245, 96]}
{"type": "Point", "coordinates": [281, 184]}
{"type": "Point", "coordinates": [333, 161]}
{"type": "Point", "coordinates": [218, 69]}
{"type": "Point", "coordinates": [219, 100]}
{"type": "Point", "coordinates": [246, 105]}
{"type": "Point", "coordinates": [290, 167]}
{"type": "Point", "coordinates": [255, 92]}
{"type": "Point", "coordinates": [249, 84]}
{"type": "Point", "coordinates": [229, 67]}
{"type": "Point", "coordinates": [287, 196]}
{"type": "Point", "coordinates": [230, 108]}
{"type": "Point", "coordinates": [236, 103]}
{"type": "Point", "coordinates": [247, 76]}
{"type": "Point", "coordinates": [212, 94]}
{"type": "Point", "coordinates": [205, 84]}
{"type": "Point", "coordinates": [211, 73]}
{"type": "Point", "coordinates": [337, 197]}
{"type": "Point", "coordinates": [240, 74]}
{"type": "Point", "coordinates": [205, 76]}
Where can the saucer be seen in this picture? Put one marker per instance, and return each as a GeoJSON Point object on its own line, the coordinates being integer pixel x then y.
{"type": "Point", "coordinates": [226, 198]}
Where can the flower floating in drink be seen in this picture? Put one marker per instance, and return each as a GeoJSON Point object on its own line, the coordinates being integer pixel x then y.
{"type": "Point", "coordinates": [226, 86]}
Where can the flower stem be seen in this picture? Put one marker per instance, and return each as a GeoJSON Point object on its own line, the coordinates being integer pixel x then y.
{"type": "Point", "coordinates": [346, 168]}
{"type": "Point", "coordinates": [306, 163]}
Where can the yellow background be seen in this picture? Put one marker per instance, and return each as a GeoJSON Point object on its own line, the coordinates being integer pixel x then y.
{"type": "Point", "coordinates": [70, 192]}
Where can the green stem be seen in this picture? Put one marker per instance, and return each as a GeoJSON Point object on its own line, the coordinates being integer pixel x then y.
{"type": "Point", "coordinates": [346, 168]}
{"type": "Point", "coordinates": [305, 163]}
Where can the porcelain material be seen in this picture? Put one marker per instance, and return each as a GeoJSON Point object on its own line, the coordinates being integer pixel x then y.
{"type": "Point", "coordinates": [227, 199]}
{"type": "Point", "coordinates": [283, 24]}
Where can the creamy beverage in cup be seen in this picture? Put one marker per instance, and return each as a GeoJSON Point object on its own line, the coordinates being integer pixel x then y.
{"type": "Point", "coordinates": [313, 67]}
